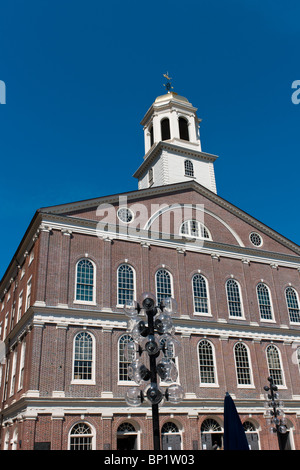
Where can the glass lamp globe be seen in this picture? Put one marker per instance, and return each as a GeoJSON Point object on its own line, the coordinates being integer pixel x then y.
{"type": "Point", "coordinates": [171, 346]}
{"type": "Point", "coordinates": [175, 393]}
{"type": "Point", "coordinates": [148, 300]}
{"type": "Point", "coordinates": [130, 351]}
{"type": "Point", "coordinates": [139, 331]}
{"type": "Point", "coordinates": [133, 396]}
{"type": "Point", "coordinates": [167, 370]}
{"type": "Point", "coordinates": [164, 324]}
{"type": "Point", "coordinates": [133, 371]}
{"type": "Point", "coordinates": [154, 394]}
{"type": "Point", "coordinates": [170, 305]}
{"type": "Point", "coordinates": [282, 429]}
{"type": "Point", "coordinates": [130, 308]}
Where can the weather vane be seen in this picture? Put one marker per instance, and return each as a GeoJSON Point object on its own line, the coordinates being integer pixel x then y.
{"type": "Point", "coordinates": [168, 84]}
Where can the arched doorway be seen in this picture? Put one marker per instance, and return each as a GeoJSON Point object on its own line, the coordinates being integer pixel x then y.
{"type": "Point", "coordinates": [127, 437]}
{"type": "Point", "coordinates": [211, 435]}
{"type": "Point", "coordinates": [170, 436]}
{"type": "Point", "coordinates": [287, 440]}
{"type": "Point", "coordinates": [252, 435]}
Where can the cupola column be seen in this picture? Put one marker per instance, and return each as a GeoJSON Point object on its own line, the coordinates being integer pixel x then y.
{"type": "Point", "coordinates": [174, 124]}
{"type": "Point", "coordinates": [156, 128]}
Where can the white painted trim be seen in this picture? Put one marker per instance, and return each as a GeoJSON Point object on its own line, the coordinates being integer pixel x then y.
{"type": "Point", "coordinates": [197, 207]}
{"type": "Point", "coordinates": [86, 302]}
{"type": "Point", "coordinates": [188, 246]}
{"type": "Point", "coordinates": [91, 381]}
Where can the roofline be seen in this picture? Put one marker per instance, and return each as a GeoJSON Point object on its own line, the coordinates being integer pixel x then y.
{"type": "Point", "coordinates": [16, 261]}
{"type": "Point", "coordinates": [157, 190]}
{"type": "Point", "coordinates": [137, 194]}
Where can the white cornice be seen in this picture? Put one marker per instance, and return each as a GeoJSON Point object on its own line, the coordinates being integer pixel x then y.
{"type": "Point", "coordinates": [91, 227]}
{"type": "Point", "coordinates": [183, 325]}
{"type": "Point", "coordinates": [170, 146]}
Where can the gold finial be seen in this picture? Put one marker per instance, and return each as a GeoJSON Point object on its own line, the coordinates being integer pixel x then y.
{"type": "Point", "coordinates": [168, 84]}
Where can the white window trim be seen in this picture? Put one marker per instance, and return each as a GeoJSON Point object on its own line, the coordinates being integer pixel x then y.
{"type": "Point", "coordinates": [202, 314]}
{"type": "Point", "coordinates": [297, 296]}
{"type": "Point", "coordinates": [251, 385]}
{"type": "Point", "coordinates": [130, 211]}
{"type": "Point", "coordinates": [31, 258]}
{"type": "Point", "coordinates": [171, 280]}
{"type": "Point", "coordinates": [212, 384]}
{"type": "Point", "coordinates": [123, 382]}
{"type": "Point", "coordinates": [242, 317]}
{"type": "Point", "coordinates": [92, 429]}
{"type": "Point", "coordinates": [91, 381]}
{"type": "Point", "coordinates": [22, 365]}
{"type": "Point", "coordinates": [265, 320]}
{"type": "Point", "coordinates": [283, 386]}
{"type": "Point", "coordinates": [28, 291]}
{"type": "Point", "coordinates": [188, 235]}
{"type": "Point", "coordinates": [12, 386]}
{"type": "Point", "coordinates": [134, 283]}
{"type": "Point", "coordinates": [20, 305]}
{"type": "Point", "coordinates": [85, 302]}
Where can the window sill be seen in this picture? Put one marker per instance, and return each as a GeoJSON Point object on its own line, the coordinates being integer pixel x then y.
{"type": "Point", "coordinates": [199, 314]}
{"type": "Point", "coordinates": [83, 382]}
{"type": "Point", "coordinates": [245, 386]}
{"type": "Point", "coordinates": [265, 320]}
{"type": "Point", "coordinates": [82, 302]}
{"type": "Point", "coordinates": [209, 385]}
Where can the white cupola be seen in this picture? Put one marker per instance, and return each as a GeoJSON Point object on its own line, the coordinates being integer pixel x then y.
{"type": "Point", "coordinates": [172, 145]}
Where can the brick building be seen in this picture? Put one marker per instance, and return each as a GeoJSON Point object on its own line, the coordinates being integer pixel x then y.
{"type": "Point", "coordinates": [236, 282]}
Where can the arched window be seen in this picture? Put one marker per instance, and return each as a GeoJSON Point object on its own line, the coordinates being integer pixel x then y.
{"type": "Point", "coordinates": [194, 229]}
{"type": "Point", "coordinates": [126, 284]}
{"type": "Point", "coordinates": [200, 293]}
{"type": "Point", "coordinates": [234, 298]}
{"type": "Point", "coordinates": [163, 285]}
{"type": "Point", "coordinates": [242, 364]}
{"type": "Point", "coordinates": [274, 364]}
{"type": "Point", "coordinates": [123, 360]}
{"type": "Point", "coordinates": [206, 362]}
{"type": "Point", "coordinates": [264, 302]}
{"type": "Point", "coordinates": [292, 304]}
{"type": "Point", "coordinates": [150, 174]}
{"type": "Point", "coordinates": [151, 136]}
{"type": "Point", "coordinates": [188, 168]}
{"type": "Point", "coordinates": [81, 437]}
{"type": "Point", "coordinates": [85, 281]}
{"type": "Point", "coordinates": [165, 129]}
{"type": "Point", "coordinates": [83, 368]}
{"type": "Point", "coordinates": [183, 129]}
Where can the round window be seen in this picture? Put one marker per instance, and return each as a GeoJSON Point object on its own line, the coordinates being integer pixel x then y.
{"type": "Point", "coordinates": [125, 215]}
{"type": "Point", "coordinates": [255, 239]}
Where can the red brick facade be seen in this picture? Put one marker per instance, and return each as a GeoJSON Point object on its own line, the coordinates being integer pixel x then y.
{"type": "Point", "coordinates": [47, 403]}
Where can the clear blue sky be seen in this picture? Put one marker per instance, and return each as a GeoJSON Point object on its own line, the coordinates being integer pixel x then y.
{"type": "Point", "coordinates": [80, 76]}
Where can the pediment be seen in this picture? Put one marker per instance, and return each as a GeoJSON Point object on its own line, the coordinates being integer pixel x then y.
{"type": "Point", "coordinates": [227, 224]}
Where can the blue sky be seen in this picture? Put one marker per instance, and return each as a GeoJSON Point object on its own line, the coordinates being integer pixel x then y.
{"type": "Point", "coordinates": [80, 76]}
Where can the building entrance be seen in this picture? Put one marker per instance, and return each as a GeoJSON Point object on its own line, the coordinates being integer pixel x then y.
{"type": "Point", "coordinates": [126, 437]}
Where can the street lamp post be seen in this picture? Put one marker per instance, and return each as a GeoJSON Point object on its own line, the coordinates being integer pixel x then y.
{"type": "Point", "coordinates": [163, 349]}
{"type": "Point", "coordinates": [275, 413]}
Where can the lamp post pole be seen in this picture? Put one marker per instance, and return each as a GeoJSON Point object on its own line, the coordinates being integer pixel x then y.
{"type": "Point", "coordinates": [150, 312]}
{"type": "Point", "coordinates": [277, 415]}
{"type": "Point", "coordinates": [143, 336]}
